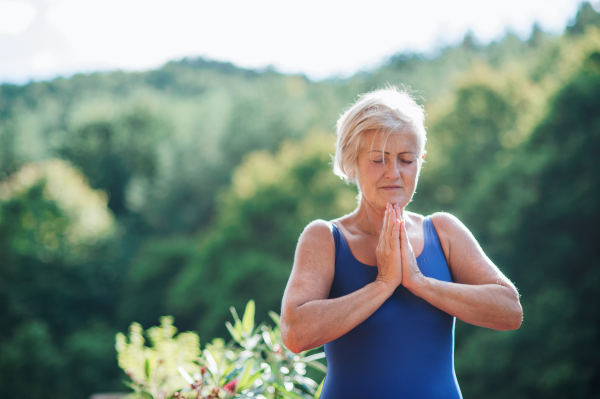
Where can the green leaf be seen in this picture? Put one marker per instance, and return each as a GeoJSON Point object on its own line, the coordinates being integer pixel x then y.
{"type": "Point", "coordinates": [247, 379]}
{"type": "Point", "coordinates": [278, 387]}
{"type": "Point", "coordinates": [236, 318]}
{"type": "Point", "coordinates": [185, 375]}
{"type": "Point", "coordinates": [317, 365]}
{"type": "Point", "coordinates": [316, 356]}
{"type": "Point", "coordinates": [233, 332]}
{"type": "Point", "coordinates": [306, 382]}
{"type": "Point", "coordinates": [245, 375]}
{"type": "Point", "coordinates": [254, 377]}
{"type": "Point", "coordinates": [239, 328]}
{"type": "Point", "coordinates": [212, 364]}
{"type": "Point", "coordinates": [248, 319]}
{"type": "Point", "coordinates": [147, 369]}
{"type": "Point", "coordinates": [293, 395]}
{"type": "Point", "coordinates": [275, 317]}
{"type": "Point", "coordinates": [258, 328]}
{"type": "Point", "coordinates": [238, 323]}
{"type": "Point", "coordinates": [318, 393]}
{"type": "Point", "coordinates": [267, 339]}
{"type": "Point", "coordinates": [229, 371]}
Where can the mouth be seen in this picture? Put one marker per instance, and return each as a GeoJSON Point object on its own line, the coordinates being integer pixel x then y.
{"type": "Point", "coordinates": [391, 188]}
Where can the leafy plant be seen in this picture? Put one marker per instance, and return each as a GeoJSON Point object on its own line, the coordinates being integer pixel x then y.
{"type": "Point", "coordinates": [253, 364]}
{"type": "Point", "coordinates": [154, 370]}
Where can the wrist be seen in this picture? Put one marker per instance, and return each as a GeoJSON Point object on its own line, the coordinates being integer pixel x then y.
{"type": "Point", "coordinates": [418, 286]}
{"type": "Point", "coordinates": [385, 287]}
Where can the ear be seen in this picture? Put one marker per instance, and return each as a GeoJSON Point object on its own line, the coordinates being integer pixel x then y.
{"type": "Point", "coordinates": [423, 156]}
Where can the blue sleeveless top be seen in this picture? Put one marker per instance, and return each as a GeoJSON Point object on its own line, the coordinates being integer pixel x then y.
{"type": "Point", "coordinates": [403, 350]}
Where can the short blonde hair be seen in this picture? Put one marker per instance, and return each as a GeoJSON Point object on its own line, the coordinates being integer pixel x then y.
{"type": "Point", "coordinates": [388, 110]}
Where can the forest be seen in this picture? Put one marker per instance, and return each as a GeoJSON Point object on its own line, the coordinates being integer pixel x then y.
{"type": "Point", "coordinates": [182, 191]}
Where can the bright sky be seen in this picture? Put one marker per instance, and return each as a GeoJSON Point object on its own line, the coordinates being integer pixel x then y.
{"type": "Point", "coordinates": [40, 39]}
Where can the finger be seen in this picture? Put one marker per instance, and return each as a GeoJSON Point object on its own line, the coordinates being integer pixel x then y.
{"type": "Point", "coordinates": [391, 228]}
{"type": "Point", "coordinates": [383, 226]}
{"type": "Point", "coordinates": [396, 232]}
{"type": "Point", "coordinates": [400, 212]}
{"type": "Point", "coordinates": [405, 246]}
{"type": "Point", "coordinates": [398, 216]}
{"type": "Point", "coordinates": [403, 235]}
{"type": "Point", "coordinates": [386, 218]}
{"type": "Point", "coordinates": [392, 218]}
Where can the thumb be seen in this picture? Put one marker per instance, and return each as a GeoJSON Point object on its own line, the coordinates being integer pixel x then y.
{"type": "Point", "coordinates": [405, 246]}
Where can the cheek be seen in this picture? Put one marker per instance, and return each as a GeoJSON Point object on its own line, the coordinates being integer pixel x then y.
{"type": "Point", "coordinates": [411, 173]}
{"type": "Point", "coordinates": [368, 170]}
{"type": "Point", "coordinates": [367, 177]}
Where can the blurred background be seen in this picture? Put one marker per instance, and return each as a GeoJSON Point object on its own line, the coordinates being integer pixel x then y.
{"type": "Point", "coordinates": [162, 158]}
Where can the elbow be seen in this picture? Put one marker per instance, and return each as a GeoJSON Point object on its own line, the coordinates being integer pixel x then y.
{"type": "Point", "coordinates": [515, 318]}
{"type": "Point", "coordinates": [294, 349]}
{"type": "Point", "coordinates": [288, 335]}
{"type": "Point", "coordinates": [289, 341]}
{"type": "Point", "coordinates": [517, 313]}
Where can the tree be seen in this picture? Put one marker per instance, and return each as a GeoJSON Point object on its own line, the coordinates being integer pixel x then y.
{"type": "Point", "coordinates": [56, 283]}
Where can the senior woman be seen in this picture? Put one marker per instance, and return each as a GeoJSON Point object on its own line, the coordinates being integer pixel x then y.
{"type": "Point", "coordinates": [381, 287]}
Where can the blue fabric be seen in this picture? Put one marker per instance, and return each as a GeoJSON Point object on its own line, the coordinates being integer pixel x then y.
{"type": "Point", "coordinates": [403, 350]}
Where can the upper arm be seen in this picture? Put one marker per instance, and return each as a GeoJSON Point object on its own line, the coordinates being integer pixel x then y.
{"type": "Point", "coordinates": [467, 262]}
{"type": "Point", "coordinates": [314, 266]}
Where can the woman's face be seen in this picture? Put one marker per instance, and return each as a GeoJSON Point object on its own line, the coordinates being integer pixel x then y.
{"type": "Point", "coordinates": [390, 175]}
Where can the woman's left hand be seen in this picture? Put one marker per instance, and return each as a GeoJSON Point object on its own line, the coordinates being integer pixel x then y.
{"type": "Point", "coordinates": [411, 274]}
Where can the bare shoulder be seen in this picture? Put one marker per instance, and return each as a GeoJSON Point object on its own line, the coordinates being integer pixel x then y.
{"type": "Point", "coordinates": [466, 259]}
{"type": "Point", "coordinates": [447, 222]}
{"type": "Point", "coordinates": [314, 265]}
{"type": "Point", "coordinates": [450, 228]}
{"type": "Point", "coordinates": [317, 229]}
{"type": "Point", "coordinates": [317, 236]}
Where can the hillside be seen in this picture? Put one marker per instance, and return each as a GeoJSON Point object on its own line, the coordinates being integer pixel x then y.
{"type": "Point", "coordinates": [199, 176]}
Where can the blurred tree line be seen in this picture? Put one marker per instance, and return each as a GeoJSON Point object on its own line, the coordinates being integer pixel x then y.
{"type": "Point", "coordinates": [182, 191]}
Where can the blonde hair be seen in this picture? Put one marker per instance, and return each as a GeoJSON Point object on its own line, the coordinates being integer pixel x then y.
{"type": "Point", "coordinates": [388, 110]}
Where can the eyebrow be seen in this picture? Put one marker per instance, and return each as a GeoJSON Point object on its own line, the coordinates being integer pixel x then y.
{"type": "Point", "coordinates": [405, 152]}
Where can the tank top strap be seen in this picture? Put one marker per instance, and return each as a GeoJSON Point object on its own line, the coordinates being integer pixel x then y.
{"type": "Point", "coordinates": [337, 238]}
{"type": "Point", "coordinates": [431, 238]}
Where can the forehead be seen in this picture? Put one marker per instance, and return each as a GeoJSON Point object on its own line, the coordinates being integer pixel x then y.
{"type": "Point", "coordinates": [405, 140]}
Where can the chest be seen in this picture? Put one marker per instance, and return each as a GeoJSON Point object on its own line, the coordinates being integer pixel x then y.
{"type": "Point", "coordinates": [363, 246]}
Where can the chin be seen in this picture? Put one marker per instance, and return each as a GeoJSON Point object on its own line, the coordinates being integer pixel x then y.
{"type": "Point", "coordinates": [394, 200]}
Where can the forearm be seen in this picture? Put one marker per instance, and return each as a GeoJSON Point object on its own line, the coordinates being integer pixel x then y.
{"type": "Point", "coordinates": [493, 306]}
{"type": "Point", "coordinates": [318, 322]}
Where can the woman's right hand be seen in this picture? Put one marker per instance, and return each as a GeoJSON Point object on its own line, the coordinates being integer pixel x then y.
{"type": "Point", "coordinates": [388, 255]}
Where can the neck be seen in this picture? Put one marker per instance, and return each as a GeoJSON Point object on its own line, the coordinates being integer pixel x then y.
{"type": "Point", "coordinates": [369, 218]}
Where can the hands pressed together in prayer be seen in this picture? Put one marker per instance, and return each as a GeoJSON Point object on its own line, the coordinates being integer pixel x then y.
{"type": "Point", "coordinates": [396, 260]}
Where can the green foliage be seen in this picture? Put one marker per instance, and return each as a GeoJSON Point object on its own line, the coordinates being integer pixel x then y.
{"type": "Point", "coordinates": [52, 229]}
{"type": "Point", "coordinates": [271, 199]}
{"type": "Point", "coordinates": [154, 370]}
{"type": "Point", "coordinates": [537, 215]}
{"type": "Point", "coordinates": [51, 212]}
{"type": "Point", "coordinates": [54, 235]}
{"type": "Point", "coordinates": [183, 190]}
{"type": "Point", "coordinates": [253, 364]}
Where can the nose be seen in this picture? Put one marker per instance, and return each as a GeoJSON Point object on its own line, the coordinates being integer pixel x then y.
{"type": "Point", "coordinates": [392, 170]}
